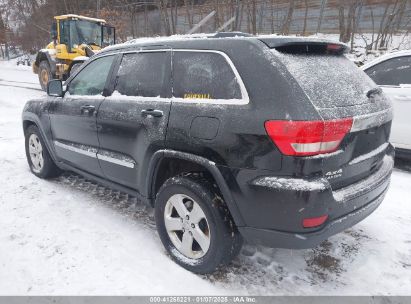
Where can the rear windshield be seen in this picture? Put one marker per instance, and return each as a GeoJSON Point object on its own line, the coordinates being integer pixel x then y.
{"type": "Point", "coordinates": [328, 80]}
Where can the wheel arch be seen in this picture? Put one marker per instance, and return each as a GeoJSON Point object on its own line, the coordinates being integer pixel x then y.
{"type": "Point", "coordinates": [30, 119]}
{"type": "Point", "coordinates": [28, 123]}
{"type": "Point", "coordinates": [187, 162]}
{"type": "Point", "coordinates": [45, 56]}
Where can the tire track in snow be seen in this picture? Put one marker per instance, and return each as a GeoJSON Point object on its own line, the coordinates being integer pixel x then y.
{"type": "Point", "coordinates": [16, 84]}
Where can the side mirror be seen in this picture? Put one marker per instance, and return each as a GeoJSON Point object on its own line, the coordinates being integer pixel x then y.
{"type": "Point", "coordinates": [55, 88]}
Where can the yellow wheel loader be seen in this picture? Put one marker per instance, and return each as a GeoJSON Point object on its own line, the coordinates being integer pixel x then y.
{"type": "Point", "coordinates": [75, 38]}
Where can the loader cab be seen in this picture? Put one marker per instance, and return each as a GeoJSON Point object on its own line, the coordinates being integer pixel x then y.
{"type": "Point", "coordinates": [72, 31]}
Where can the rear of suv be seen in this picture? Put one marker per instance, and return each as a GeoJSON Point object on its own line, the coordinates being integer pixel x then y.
{"type": "Point", "coordinates": [279, 141]}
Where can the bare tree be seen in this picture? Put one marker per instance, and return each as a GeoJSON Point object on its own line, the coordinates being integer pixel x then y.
{"type": "Point", "coordinates": [252, 8]}
{"type": "Point", "coordinates": [162, 4]}
{"type": "Point", "coordinates": [389, 22]}
{"type": "Point", "coordinates": [305, 17]}
{"type": "Point", "coordinates": [320, 18]}
{"type": "Point", "coordinates": [272, 16]}
{"type": "Point", "coordinates": [347, 23]}
{"type": "Point", "coordinates": [189, 14]}
{"type": "Point", "coordinates": [3, 40]}
{"type": "Point", "coordinates": [288, 19]}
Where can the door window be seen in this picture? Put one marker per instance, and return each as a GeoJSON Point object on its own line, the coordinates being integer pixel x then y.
{"type": "Point", "coordinates": [142, 74]}
{"type": "Point", "coordinates": [109, 36]}
{"type": "Point", "coordinates": [394, 71]}
{"type": "Point", "coordinates": [92, 79]}
{"type": "Point", "coordinates": [65, 33]}
{"type": "Point", "coordinates": [203, 75]}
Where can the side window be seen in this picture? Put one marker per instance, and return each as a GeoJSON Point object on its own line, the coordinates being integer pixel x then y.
{"type": "Point", "coordinates": [203, 75]}
{"type": "Point", "coordinates": [92, 79]}
{"type": "Point", "coordinates": [394, 71]}
{"type": "Point", "coordinates": [142, 74]}
{"type": "Point", "coordinates": [65, 33]}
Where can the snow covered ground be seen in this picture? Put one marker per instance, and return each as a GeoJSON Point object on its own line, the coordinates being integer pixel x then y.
{"type": "Point", "coordinates": [69, 236]}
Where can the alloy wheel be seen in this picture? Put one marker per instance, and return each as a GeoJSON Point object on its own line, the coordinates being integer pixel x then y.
{"type": "Point", "coordinates": [187, 226]}
{"type": "Point", "coordinates": [36, 153]}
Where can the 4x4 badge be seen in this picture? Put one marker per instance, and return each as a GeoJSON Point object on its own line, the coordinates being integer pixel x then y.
{"type": "Point", "coordinates": [333, 174]}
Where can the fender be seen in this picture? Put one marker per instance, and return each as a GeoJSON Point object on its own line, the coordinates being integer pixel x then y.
{"type": "Point", "coordinates": [45, 55]}
{"type": "Point", "coordinates": [33, 118]}
{"type": "Point", "coordinates": [209, 165]}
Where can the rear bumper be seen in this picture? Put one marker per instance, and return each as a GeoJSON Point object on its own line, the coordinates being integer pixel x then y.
{"type": "Point", "coordinates": [279, 239]}
{"type": "Point", "coordinates": [345, 207]}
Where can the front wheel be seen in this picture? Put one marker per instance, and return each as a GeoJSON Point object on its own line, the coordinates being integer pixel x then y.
{"type": "Point", "coordinates": [194, 224]}
{"type": "Point", "coordinates": [38, 157]}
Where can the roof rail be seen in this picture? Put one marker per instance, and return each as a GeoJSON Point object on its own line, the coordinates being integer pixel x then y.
{"type": "Point", "coordinates": [231, 34]}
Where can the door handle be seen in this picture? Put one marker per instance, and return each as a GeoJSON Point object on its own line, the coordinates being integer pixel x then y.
{"type": "Point", "coordinates": [87, 109]}
{"type": "Point", "coordinates": [152, 112]}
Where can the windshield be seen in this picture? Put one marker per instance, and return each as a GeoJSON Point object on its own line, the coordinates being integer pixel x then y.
{"type": "Point", "coordinates": [82, 31]}
{"type": "Point", "coordinates": [328, 80]}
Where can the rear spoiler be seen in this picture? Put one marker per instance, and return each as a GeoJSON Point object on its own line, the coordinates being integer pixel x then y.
{"type": "Point", "coordinates": [296, 45]}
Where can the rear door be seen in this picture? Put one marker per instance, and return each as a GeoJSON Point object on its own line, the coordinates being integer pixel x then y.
{"type": "Point", "coordinates": [73, 117]}
{"type": "Point", "coordinates": [394, 76]}
{"type": "Point", "coordinates": [132, 122]}
{"type": "Point", "coordinates": [207, 91]}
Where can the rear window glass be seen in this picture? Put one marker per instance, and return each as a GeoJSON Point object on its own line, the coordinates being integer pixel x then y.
{"type": "Point", "coordinates": [328, 80]}
{"type": "Point", "coordinates": [142, 74]}
{"type": "Point", "coordinates": [394, 71]}
{"type": "Point", "coordinates": [205, 75]}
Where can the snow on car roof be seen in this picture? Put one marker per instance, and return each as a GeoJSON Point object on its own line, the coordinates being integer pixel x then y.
{"type": "Point", "coordinates": [272, 40]}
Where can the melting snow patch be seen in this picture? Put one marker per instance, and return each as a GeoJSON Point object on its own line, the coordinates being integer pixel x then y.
{"type": "Point", "coordinates": [292, 183]}
{"type": "Point", "coordinates": [325, 155]}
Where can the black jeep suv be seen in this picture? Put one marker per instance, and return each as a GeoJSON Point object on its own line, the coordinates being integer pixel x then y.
{"type": "Point", "coordinates": [280, 141]}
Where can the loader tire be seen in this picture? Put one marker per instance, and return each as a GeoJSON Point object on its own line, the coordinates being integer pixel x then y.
{"type": "Point", "coordinates": [44, 74]}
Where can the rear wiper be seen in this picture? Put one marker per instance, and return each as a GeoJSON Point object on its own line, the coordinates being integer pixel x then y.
{"type": "Point", "coordinates": [373, 92]}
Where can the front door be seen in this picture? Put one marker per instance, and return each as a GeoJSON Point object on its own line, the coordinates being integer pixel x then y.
{"type": "Point", "coordinates": [73, 117]}
{"type": "Point", "coordinates": [132, 122]}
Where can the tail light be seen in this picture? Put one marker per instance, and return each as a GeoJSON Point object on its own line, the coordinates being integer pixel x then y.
{"type": "Point", "coordinates": [304, 138]}
{"type": "Point", "coordinates": [335, 48]}
{"type": "Point", "coordinates": [314, 221]}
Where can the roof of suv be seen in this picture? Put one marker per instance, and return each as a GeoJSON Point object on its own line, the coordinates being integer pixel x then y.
{"type": "Point", "coordinates": [197, 41]}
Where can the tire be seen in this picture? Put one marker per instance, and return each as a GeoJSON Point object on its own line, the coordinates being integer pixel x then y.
{"type": "Point", "coordinates": [40, 162]}
{"type": "Point", "coordinates": [44, 74]}
{"type": "Point", "coordinates": [220, 239]}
